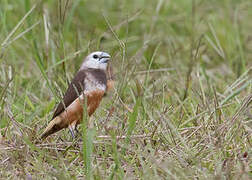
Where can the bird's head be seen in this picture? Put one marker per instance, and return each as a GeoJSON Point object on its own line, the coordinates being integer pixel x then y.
{"type": "Point", "coordinates": [96, 60]}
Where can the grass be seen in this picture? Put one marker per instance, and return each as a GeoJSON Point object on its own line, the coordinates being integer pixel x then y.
{"type": "Point", "coordinates": [181, 106]}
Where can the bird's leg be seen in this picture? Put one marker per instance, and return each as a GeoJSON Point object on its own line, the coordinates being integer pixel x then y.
{"type": "Point", "coordinates": [71, 132]}
{"type": "Point", "coordinates": [76, 130]}
{"type": "Point", "coordinates": [72, 128]}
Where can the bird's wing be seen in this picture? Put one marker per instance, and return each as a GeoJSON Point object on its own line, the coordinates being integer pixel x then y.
{"type": "Point", "coordinates": [74, 90]}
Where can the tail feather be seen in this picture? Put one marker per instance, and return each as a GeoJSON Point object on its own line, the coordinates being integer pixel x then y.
{"type": "Point", "coordinates": [55, 125]}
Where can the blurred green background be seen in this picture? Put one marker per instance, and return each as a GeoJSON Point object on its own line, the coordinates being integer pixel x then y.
{"type": "Point", "coordinates": [183, 85]}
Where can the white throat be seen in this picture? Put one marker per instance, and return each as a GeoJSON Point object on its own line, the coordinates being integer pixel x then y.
{"type": "Point", "coordinates": [94, 65]}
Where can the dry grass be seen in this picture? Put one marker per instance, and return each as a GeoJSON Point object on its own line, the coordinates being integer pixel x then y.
{"type": "Point", "coordinates": [181, 106]}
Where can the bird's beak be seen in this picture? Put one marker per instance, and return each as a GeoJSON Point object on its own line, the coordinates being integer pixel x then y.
{"type": "Point", "coordinates": [105, 57]}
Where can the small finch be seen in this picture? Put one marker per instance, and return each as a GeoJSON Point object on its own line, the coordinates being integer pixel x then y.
{"type": "Point", "coordinates": [92, 81]}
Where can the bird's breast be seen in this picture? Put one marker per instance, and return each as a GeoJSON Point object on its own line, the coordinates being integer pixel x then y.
{"type": "Point", "coordinates": [92, 84]}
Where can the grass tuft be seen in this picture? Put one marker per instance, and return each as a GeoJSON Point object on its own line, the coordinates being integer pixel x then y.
{"type": "Point", "coordinates": [181, 105]}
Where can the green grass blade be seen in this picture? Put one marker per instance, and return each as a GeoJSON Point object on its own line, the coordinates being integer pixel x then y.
{"type": "Point", "coordinates": [17, 26]}
{"type": "Point", "coordinates": [132, 119]}
{"type": "Point", "coordinates": [236, 92]}
{"type": "Point", "coordinates": [87, 138]}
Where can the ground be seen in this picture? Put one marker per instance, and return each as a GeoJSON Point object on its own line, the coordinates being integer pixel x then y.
{"type": "Point", "coordinates": [181, 105]}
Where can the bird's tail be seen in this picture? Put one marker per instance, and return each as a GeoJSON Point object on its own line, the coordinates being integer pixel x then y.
{"type": "Point", "coordinates": [55, 125]}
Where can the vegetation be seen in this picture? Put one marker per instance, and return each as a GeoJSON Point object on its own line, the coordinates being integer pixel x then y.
{"type": "Point", "coordinates": [181, 106]}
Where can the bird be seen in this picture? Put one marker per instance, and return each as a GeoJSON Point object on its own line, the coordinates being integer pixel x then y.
{"type": "Point", "coordinates": [90, 84]}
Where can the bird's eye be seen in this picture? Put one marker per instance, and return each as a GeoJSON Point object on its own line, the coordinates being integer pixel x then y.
{"type": "Point", "coordinates": [95, 56]}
